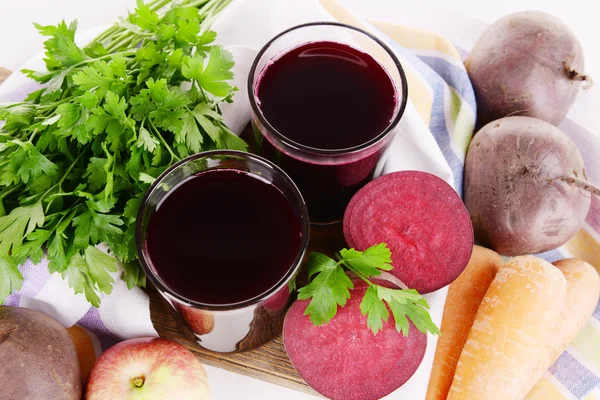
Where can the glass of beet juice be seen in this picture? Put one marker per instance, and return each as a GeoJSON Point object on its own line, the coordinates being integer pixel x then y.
{"type": "Point", "coordinates": [326, 101]}
{"type": "Point", "coordinates": [221, 234]}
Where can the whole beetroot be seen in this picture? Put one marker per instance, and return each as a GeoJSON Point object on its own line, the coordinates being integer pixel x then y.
{"type": "Point", "coordinates": [39, 360]}
{"type": "Point", "coordinates": [528, 63]}
{"type": "Point", "coordinates": [526, 188]}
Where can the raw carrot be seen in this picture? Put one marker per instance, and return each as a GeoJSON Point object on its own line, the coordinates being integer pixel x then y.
{"type": "Point", "coordinates": [583, 291]}
{"type": "Point", "coordinates": [513, 325]}
{"type": "Point", "coordinates": [464, 296]}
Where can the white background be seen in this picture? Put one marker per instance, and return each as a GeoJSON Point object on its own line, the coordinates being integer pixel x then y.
{"type": "Point", "coordinates": [19, 41]}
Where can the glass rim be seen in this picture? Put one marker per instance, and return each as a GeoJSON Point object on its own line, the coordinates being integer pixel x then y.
{"type": "Point", "coordinates": [315, 150]}
{"type": "Point", "coordinates": [292, 269]}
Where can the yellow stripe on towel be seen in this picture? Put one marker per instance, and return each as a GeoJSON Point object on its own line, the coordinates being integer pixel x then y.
{"type": "Point", "coordinates": [595, 395]}
{"type": "Point", "coordinates": [587, 345]}
{"type": "Point", "coordinates": [414, 38]}
{"type": "Point", "coordinates": [544, 389]}
{"type": "Point", "coordinates": [584, 246]}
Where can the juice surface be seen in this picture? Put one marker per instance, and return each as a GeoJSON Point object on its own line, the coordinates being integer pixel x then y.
{"type": "Point", "coordinates": [327, 95]}
{"type": "Point", "coordinates": [223, 236]}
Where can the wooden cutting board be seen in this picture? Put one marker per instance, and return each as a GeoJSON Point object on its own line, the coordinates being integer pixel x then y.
{"type": "Point", "coordinates": [4, 73]}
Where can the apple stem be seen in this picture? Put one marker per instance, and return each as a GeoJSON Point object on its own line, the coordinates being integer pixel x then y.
{"type": "Point", "coordinates": [138, 381]}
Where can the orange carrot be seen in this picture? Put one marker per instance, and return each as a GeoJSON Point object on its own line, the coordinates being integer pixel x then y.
{"type": "Point", "coordinates": [464, 296]}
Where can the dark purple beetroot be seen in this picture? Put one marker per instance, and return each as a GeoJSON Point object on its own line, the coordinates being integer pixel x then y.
{"type": "Point", "coordinates": [39, 360]}
{"type": "Point", "coordinates": [525, 186]}
{"type": "Point", "coordinates": [423, 221]}
{"type": "Point", "coordinates": [343, 360]}
{"type": "Point", "coordinates": [527, 63]}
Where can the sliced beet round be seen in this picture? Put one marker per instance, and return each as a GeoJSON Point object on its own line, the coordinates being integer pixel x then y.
{"type": "Point", "coordinates": [423, 221]}
{"type": "Point", "coordinates": [343, 360]}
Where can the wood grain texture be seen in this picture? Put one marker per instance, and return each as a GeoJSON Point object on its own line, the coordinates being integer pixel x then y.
{"type": "Point", "coordinates": [4, 73]}
{"type": "Point", "coordinates": [269, 362]}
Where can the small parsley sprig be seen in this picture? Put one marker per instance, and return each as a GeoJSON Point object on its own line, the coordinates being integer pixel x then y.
{"type": "Point", "coordinates": [77, 156]}
{"type": "Point", "coordinates": [329, 288]}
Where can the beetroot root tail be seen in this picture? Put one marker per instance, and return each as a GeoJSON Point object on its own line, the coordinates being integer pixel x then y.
{"type": "Point", "coordinates": [580, 183]}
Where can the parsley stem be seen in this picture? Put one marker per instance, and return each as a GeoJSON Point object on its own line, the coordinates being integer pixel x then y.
{"type": "Point", "coordinates": [8, 191]}
{"type": "Point", "coordinates": [55, 104]}
{"type": "Point", "coordinates": [173, 156]}
{"type": "Point", "coordinates": [357, 273]}
{"type": "Point", "coordinates": [33, 136]}
{"type": "Point", "coordinates": [210, 13]}
{"type": "Point", "coordinates": [113, 29]}
{"type": "Point", "coordinates": [345, 264]}
{"type": "Point", "coordinates": [112, 55]}
{"type": "Point", "coordinates": [68, 171]}
{"type": "Point", "coordinates": [124, 41]}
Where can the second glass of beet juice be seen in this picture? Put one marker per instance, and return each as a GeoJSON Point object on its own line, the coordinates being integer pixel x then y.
{"type": "Point", "coordinates": [326, 101]}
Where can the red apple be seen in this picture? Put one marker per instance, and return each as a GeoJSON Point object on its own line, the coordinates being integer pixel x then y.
{"type": "Point", "coordinates": [147, 368]}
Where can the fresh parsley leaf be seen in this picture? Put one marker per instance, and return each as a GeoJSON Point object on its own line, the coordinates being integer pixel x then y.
{"type": "Point", "coordinates": [146, 140]}
{"type": "Point", "coordinates": [190, 134]}
{"type": "Point", "coordinates": [99, 266]}
{"type": "Point", "coordinates": [206, 117]}
{"type": "Point", "coordinates": [144, 17]}
{"type": "Point", "coordinates": [375, 310]}
{"type": "Point", "coordinates": [133, 275]}
{"type": "Point", "coordinates": [61, 50]}
{"type": "Point", "coordinates": [32, 247]}
{"type": "Point", "coordinates": [10, 276]}
{"type": "Point", "coordinates": [328, 276]}
{"type": "Point", "coordinates": [95, 227]}
{"type": "Point", "coordinates": [96, 173]}
{"type": "Point", "coordinates": [78, 275]}
{"type": "Point", "coordinates": [408, 303]}
{"type": "Point", "coordinates": [214, 77]}
{"type": "Point", "coordinates": [98, 77]}
{"type": "Point", "coordinates": [327, 290]}
{"type": "Point", "coordinates": [57, 256]}
{"type": "Point", "coordinates": [17, 117]}
{"type": "Point", "coordinates": [230, 140]}
{"type": "Point", "coordinates": [19, 223]}
{"type": "Point", "coordinates": [28, 164]}
{"type": "Point", "coordinates": [369, 262]}
{"type": "Point", "coordinates": [187, 31]}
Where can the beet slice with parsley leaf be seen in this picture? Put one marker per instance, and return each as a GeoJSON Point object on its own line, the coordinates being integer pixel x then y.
{"type": "Point", "coordinates": [344, 359]}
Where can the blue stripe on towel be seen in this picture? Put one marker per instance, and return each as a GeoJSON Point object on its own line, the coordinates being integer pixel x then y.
{"type": "Point", "coordinates": [454, 76]}
{"type": "Point", "coordinates": [437, 124]}
{"type": "Point", "coordinates": [573, 375]}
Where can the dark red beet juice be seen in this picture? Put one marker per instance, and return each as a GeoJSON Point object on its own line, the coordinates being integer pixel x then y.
{"type": "Point", "coordinates": [326, 96]}
{"type": "Point", "coordinates": [222, 237]}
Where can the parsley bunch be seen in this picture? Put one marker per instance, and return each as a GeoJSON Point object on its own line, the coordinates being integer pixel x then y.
{"type": "Point", "coordinates": [329, 288]}
{"type": "Point", "coordinates": [77, 155]}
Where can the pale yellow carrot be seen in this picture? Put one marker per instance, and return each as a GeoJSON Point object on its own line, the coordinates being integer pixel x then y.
{"type": "Point", "coordinates": [513, 325]}
{"type": "Point", "coordinates": [583, 291]}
